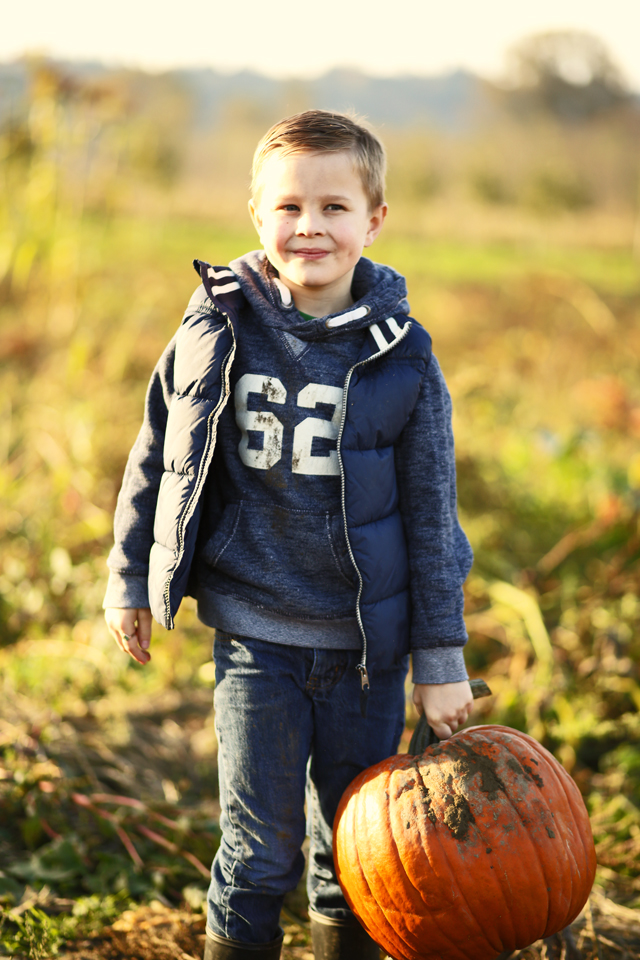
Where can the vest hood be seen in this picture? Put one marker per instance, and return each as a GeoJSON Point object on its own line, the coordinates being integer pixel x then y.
{"type": "Point", "coordinates": [379, 292]}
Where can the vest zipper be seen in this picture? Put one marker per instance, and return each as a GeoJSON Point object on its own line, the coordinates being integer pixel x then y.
{"type": "Point", "coordinates": [212, 421]}
{"type": "Point", "coordinates": [362, 666]}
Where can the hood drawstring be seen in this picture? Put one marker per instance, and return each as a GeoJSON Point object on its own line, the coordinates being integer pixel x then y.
{"type": "Point", "coordinates": [283, 290]}
{"type": "Point", "coordinates": [348, 317]}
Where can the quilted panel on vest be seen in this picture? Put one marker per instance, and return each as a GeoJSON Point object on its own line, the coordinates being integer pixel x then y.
{"type": "Point", "coordinates": [187, 431]}
{"type": "Point", "coordinates": [371, 490]}
{"type": "Point", "coordinates": [161, 562]}
{"type": "Point", "coordinates": [381, 400]}
{"type": "Point", "coordinates": [387, 621]}
{"type": "Point", "coordinates": [202, 344]}
{"type": "Point", "coordinates": [174, 494]}
{"type": "Point", "coordinates": [379, 548]}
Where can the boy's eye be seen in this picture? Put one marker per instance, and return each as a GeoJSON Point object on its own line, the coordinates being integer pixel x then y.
{"type": "Point", "coordinates": [290, 207]}
{"type": "Point", "coordinates": [335, 206]}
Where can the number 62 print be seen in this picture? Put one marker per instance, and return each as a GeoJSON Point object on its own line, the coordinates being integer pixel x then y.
{"type": "Point", "coordinates": [272, 429]}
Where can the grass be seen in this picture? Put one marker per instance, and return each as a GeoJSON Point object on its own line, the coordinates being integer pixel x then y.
{"type": "Point", "coordinates": [460, 261]}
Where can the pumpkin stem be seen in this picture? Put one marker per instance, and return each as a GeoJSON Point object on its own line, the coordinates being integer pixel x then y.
{"type": "Point", "coordinates": [423, 735]}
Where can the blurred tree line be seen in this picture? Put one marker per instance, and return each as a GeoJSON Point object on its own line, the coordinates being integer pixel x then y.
{"type": "Point", "coordinates": [559, 134]}
{"type": "Point", "coordinates": [569, 74]}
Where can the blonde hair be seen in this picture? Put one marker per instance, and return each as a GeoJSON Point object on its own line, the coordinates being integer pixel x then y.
{"type": "Point", "coordinates": [317, 131]}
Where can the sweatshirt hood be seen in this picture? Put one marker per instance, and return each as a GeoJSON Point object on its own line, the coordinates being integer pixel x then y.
{"type": "Point", "coordinates": [379, 292]}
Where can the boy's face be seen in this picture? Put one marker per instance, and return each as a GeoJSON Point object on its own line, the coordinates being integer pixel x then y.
{"type": "Point", "coordinates": [313, 218]}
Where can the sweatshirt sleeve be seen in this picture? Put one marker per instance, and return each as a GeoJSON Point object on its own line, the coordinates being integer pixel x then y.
{"type": "Point", "coordinates": [128, 561]}
{"type": "Point", "coordinates": [440, 556]}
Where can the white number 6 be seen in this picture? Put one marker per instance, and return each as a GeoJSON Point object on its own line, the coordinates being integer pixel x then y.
{"type": "Point", "coordinates": [265, 423]}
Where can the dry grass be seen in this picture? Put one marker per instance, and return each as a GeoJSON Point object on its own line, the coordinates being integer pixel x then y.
{"type": "Point", "coordinates": [604, 931]}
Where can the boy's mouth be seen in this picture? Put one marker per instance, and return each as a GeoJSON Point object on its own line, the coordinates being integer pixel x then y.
{"type": "Point", "coordinates": [310, 253]}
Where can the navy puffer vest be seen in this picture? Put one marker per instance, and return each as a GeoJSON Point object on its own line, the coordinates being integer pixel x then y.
{"type": "Point", "coordinates": [205, 347]}
{"type": "Point", "coordinates": [380, 393]}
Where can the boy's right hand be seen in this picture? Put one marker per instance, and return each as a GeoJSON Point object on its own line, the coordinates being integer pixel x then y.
{"type": "Point", "coordinates": [446, 705]}
{"type": "Point", "coordinates": [131, 630]}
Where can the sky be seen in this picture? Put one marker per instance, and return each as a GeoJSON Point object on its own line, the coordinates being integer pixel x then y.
{"type": "Point", "coordinates": [287, 38]}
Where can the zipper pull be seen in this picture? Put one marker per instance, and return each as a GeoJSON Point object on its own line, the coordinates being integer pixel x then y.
{"type": "Point", "coordinates": [364, 689]}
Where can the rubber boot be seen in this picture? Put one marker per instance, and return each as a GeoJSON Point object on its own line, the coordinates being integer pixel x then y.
{"type": "Point", "coordinates": [341, 939]}
{"type": "Point", "coordinates": [219, 948]}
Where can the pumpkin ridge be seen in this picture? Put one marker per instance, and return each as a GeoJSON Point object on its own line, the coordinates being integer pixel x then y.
{"type": "Point", "coordinates": [496, 873]}
{"type": "Point", "coordinates": [396, 937]}
{"type": "Point", "coordinates": [549, 772]}
{"type": "Point", "coordinates": [449, 944]}
{"type": "Point", "coordinates": [589, 854]}
{"type": "Point", "coordinates": [369, 792]}
{"type": "Point", "coordinates": [433, 850]}
{"type": "Point", "coordinates": [575, 871]}
{"type": "Point", "coordinates": [506, 743]}
{"type": "Point", "coordinates": [568, 792]}
{"type": "Point", "coordinates": [379, 918]}
{"type": "Point", "coordinates": [509, 894]}
{"type": "Point", "coordinates": [346, 872]}
{"type": "Point", "coordinates": [408, 883]}
{"type": "Point", "coordinates": [454, 873]}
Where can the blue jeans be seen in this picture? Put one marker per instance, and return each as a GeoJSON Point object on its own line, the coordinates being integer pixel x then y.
{"type": "Point", "coordinates": [288, 721]}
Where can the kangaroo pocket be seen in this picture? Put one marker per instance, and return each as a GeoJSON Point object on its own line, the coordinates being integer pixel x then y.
{"type": "Point", "coordinates": [288, 561]}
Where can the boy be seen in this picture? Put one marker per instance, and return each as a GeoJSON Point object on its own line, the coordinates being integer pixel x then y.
{"type": "Point", "coordinates": [313, 517]}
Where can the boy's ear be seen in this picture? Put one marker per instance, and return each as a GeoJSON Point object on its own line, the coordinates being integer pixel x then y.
{"type": "Point", "coordinates": [375, 223]}
{"type": "Point", "coordinates": [256, 219]}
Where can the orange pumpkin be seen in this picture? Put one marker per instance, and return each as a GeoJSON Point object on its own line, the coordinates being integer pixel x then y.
{"type": "Point", "coordinates": [481, 844]}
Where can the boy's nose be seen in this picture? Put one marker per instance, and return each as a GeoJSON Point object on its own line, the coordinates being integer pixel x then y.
{"type": "Point", "coordinates": [309, 225]}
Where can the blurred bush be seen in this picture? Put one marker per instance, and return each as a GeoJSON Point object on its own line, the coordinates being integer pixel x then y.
{"type": "Point", "coordinates": [552, 191]}
{"type": "Point", "coordinates": [490, 187]}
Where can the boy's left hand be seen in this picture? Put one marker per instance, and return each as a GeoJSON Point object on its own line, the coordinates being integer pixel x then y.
{"type": "Point", "coordinates": [446, 705]}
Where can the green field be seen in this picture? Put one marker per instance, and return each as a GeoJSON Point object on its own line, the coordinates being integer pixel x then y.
{"type": "Point", "coordinates": [107, 770]}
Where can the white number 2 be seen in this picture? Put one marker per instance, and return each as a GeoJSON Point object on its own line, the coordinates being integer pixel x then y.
{"type": "Point", "coordinates": [302, 459]}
